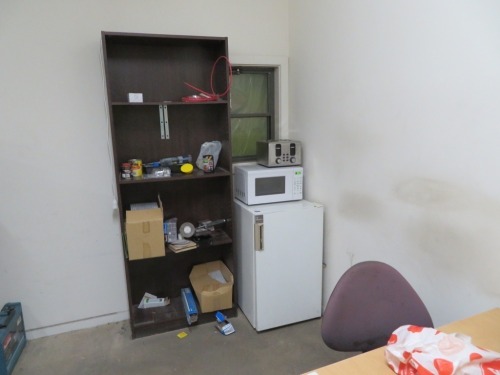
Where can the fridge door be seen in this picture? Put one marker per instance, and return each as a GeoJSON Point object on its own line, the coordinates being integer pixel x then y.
{"type": "Point", "coordinates": [288, 268]}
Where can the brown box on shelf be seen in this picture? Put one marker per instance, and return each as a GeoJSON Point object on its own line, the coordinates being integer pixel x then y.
{"type": "Point", "coordinates": [212, 294]}
{"type": "Point", "coordinates": [144, 228]}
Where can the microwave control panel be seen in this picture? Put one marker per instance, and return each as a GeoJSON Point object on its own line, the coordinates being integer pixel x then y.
{"type": "Point", "coordinates": [298, 182]}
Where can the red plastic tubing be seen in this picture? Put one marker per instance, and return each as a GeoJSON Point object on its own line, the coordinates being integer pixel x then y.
{"type": "Point", "coordinates": [207, 96]}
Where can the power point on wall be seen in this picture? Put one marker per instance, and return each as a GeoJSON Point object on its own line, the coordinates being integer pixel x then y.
{"type": "Point", "coordinates": [115, 204]}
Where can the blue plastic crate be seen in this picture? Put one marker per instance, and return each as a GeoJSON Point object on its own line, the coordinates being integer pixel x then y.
{"type": "Point", "coordinates": [12, 336]}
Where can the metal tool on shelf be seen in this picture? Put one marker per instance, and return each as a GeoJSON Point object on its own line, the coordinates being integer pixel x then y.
{"type": "Point", "coordinates": [204, 229]}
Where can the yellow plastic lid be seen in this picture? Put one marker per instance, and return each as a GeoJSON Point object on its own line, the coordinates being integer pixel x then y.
{"type": "Point", "coordinates": [187, 168]}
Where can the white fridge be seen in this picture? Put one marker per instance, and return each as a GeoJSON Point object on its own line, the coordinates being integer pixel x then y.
{"type": "Point", "coordinates": [279, 250]}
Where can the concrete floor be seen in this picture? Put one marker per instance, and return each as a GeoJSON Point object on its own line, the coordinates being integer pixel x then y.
{"type": "Point", "coordinates": [108, 349]}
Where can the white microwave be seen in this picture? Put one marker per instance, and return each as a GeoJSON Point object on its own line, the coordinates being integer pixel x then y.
{"type": "Point", "coordinates": [256, 184]}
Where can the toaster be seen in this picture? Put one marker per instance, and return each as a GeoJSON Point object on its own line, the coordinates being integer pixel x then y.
{"type": "Point", "coordinates": [279, 153]}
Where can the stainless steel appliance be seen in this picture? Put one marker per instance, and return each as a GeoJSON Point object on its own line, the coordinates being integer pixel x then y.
{"type": "Point", "coordinates": [279, 153]}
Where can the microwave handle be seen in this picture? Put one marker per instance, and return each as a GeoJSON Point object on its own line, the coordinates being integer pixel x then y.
{"type": "Point", "coordinates": [258, 233]}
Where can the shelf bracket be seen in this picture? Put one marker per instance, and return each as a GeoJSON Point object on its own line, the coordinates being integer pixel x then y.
{"type": "Point", "coordinates": [164, 130]}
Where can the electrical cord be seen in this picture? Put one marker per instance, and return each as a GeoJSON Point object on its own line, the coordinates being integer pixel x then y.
{"type": "Point", "coordinates": [213, 96]}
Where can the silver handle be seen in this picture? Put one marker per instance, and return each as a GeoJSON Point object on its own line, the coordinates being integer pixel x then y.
{"type": "Point", "coordinates": [164, 129]}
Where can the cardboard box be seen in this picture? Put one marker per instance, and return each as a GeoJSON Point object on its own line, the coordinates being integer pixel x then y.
{"type": "Point", "coordinates": [144, 228]}
{"type": "Point", "coordinates": [212, 294]}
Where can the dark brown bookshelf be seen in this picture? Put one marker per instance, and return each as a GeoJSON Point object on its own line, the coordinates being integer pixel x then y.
{"type": "Point", "coordinates": [158, 66]}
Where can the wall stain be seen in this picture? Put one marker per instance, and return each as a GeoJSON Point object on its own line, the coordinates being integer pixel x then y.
{"type": "Point", "coordinates": [435, 194]}
{"type": "Point", "coordinates": [457, 229]}
{"type": "Point", "coordinates": [359, 206]}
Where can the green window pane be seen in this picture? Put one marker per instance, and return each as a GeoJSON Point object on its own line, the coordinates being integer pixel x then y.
{"type": "Point", "coordinates": [245, 134]}
{"type": "Point", "coordinates": [249, 93]}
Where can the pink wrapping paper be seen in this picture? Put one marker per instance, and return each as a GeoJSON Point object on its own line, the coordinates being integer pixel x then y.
{"type": "Point", "coordinates": [413, 350]}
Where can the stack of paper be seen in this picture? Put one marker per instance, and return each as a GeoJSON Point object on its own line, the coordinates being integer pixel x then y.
{"type": "Point", "coordinates": [149, 300]}
{"type": "Point", "coordinates": [182, 245]}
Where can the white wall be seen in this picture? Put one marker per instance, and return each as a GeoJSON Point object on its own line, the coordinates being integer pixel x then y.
{"type": "Point", "coordinates": [60, 244]}
{"type": "Point", "coordinates": [397, 104]}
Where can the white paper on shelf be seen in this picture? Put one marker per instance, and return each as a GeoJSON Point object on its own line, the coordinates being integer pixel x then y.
{"type": "Point", "coordinates": [143, 206]}
{"type": "Point", "coordinates": [218, 276]}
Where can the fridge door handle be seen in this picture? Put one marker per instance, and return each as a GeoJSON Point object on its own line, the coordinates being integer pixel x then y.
{"type": "Point", "coordinates": [258, 233]}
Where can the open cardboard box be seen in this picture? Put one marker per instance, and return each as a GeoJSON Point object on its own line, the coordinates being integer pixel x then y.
{"type": "Point", "coordinates": [212, 295]}
{"type": "Point", "coordinates": [144, 228]}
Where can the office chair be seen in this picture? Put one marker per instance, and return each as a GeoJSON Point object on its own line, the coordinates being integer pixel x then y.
{"type": "Point", "coordinates": [368, 303]}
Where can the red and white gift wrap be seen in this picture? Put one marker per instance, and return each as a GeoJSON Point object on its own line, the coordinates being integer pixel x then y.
{"type": "Point", "coordinates": [413, 350]}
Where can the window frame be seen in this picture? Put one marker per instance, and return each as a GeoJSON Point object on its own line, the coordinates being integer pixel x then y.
{"type": "Point", "coordinates": [280, 65]}
{"type": "Point", "coordinates": [270, 115]}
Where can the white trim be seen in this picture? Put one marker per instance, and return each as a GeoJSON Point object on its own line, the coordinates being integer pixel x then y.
{"type": "Point", "coordinates": [281, 65]}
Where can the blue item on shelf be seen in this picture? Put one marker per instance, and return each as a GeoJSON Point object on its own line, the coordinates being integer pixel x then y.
{"type": "Point", "coordinates": [189, 305]}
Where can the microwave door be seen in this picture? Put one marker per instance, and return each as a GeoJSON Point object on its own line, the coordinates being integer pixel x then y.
{"type": "Point", "coordinates": [270, 189]}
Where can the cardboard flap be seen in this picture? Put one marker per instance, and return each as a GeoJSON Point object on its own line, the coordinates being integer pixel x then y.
{"type": "Point", "coordinates": [139, 216]}
{"type": "Point", "coordinates": [215, 290]}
